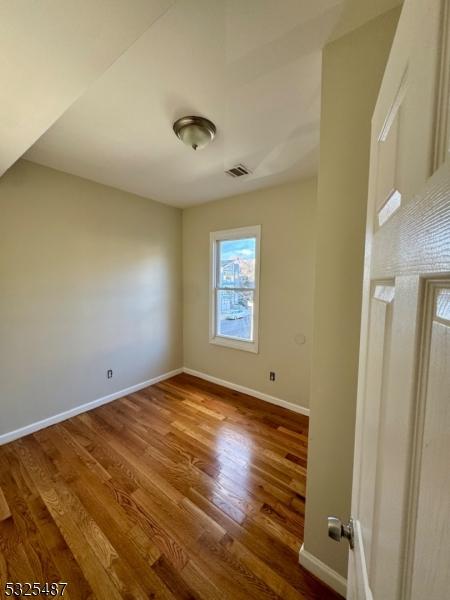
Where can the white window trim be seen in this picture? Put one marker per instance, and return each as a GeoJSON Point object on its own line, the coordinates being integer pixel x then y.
{"type": "Point", "coordinates": [233, 234]}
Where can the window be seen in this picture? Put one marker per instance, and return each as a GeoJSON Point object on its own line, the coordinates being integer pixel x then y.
{"type": "Point", "coordinates": [235, 288]}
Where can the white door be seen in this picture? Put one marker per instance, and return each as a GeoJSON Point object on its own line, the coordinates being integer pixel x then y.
{"type": "Point", "coordinates": [401, 488]}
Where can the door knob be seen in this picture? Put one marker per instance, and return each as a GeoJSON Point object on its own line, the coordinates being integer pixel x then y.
{"type": "Point", "coordinates": [336, 530]}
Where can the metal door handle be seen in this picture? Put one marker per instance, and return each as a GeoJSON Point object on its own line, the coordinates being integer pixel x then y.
{"type": "Point", "coordinates": [337, 531]}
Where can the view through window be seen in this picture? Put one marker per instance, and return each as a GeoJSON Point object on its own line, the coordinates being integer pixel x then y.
{"type": "Point", "coordinates": [235, 298]}
{"type": "Point", "coordinates": [235, 292]}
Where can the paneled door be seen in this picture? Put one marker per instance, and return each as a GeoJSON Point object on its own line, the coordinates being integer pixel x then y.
{"type": "Point", "coordinates": [401, 487]}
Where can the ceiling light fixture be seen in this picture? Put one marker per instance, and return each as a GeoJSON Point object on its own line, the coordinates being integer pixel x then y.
{"type": "Point", "coordinates": [196, 132]}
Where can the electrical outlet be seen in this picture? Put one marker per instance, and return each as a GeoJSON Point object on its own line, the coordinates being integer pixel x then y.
{"type": "Point", "coordinates": [272, 376]}
{"type": "Point", "coordinates": [109, 373]}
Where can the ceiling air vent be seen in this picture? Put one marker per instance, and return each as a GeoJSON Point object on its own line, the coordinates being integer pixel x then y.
{"type": "Point", "coordinates": [238, 171]}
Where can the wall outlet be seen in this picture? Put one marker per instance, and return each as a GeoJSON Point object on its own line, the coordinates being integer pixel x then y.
{"type": "Point", "coordinates": [272, 376]}
{"type": "Point", "coordinates": [109, 373]}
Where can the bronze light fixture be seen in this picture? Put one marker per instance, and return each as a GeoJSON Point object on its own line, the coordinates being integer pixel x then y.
{"type": "Point", "coordinates": [196, 132]}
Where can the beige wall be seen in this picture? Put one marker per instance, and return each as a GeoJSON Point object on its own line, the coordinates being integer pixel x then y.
{"type": "Point", "coordinates": [90, 280]}
{"type": "Point", "coordinates": [352, 70]}
{"type": "Point", "coordinates": [358, 12]}
{"type": "Point", "coordinates": [287, 216]}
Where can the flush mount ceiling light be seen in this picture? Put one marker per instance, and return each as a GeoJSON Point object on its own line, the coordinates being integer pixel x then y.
{"type": "Point", "coordinates": [196, 132]}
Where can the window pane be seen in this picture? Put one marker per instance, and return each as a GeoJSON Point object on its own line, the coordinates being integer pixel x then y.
{"type": "Point", "coordinates": [237, 263]}
{"type": "Point", "coordinates": [235, 314]}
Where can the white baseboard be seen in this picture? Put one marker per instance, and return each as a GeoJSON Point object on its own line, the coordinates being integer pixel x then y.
{"type": "Point", "coordinates": [323, 571]}
{"type": "Point", "coordinates": [245, 390]}
{"type": "Point", "coordinates": [10, 436]}
{"type": "Point", "coordinates": [72, 412]}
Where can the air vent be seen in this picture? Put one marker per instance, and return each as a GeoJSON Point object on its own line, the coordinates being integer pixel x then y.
{"type": "Point", "coordinates": [238, 171]}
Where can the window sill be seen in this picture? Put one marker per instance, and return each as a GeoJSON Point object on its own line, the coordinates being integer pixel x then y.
{"type": "Point", "coordinates": [235, 344]}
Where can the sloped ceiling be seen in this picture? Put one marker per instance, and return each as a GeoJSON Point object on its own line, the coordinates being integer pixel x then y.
{"type": "Point", "coordinates": [92, 88]}
{"type": "Point", "coordinates": [251, 66]}
{"type": "Point", "coordinates": [51, 51]}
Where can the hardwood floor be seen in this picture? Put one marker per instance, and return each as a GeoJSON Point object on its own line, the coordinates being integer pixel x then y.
{"type": "Point", "coordinates": [183, 490]}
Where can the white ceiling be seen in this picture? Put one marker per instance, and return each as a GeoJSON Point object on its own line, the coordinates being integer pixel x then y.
{"type": "Point", "coordinates": [51, 51]}
{"type": "Point", "coordinates": [251, 66]}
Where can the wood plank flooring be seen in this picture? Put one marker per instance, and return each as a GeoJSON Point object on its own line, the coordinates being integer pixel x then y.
{"type": "Point", "coordinates": [183, 490]}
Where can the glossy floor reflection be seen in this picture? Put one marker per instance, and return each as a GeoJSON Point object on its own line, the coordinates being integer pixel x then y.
{"type": "Point", "coordinates": [183, 490]}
